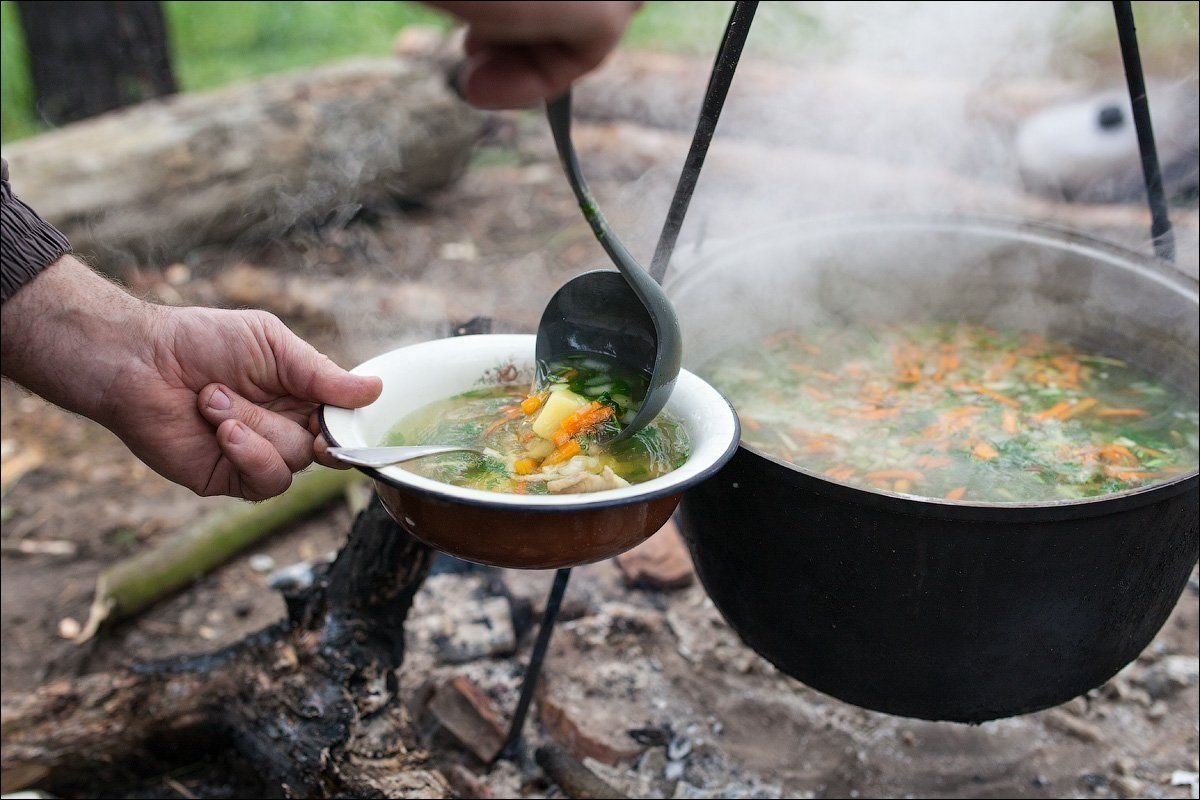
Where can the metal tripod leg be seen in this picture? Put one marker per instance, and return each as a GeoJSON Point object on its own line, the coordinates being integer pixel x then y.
{"type": "Point", "coordinates": [529, 682]}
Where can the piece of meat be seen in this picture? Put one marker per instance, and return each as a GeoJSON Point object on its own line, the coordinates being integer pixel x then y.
{"type": "Point", "coordinates": [587, 482]}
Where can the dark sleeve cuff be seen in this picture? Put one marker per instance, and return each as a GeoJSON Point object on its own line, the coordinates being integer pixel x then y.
{"type": "Point", "coordinates": [28, 244]}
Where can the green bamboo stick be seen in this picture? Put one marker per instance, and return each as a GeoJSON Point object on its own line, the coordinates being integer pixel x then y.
{"type": "Point", "coordinates": [138, 582]}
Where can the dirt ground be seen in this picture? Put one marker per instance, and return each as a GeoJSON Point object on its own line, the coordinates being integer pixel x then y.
{"type": "Point", "coordinates": [497, 244]}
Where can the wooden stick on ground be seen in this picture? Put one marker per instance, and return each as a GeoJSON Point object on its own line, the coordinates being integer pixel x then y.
{"type": "Point", "coordinates": [132, 585]}
{"type": "Point", "coordinates": [569, 773]}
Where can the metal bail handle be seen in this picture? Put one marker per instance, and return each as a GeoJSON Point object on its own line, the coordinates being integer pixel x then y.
{"type": "Point", "coordinates": [736, 31]}
{"type": "Point", "coordinates": [1160, 222]}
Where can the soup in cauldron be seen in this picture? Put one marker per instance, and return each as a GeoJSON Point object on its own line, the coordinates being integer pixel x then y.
{"type": "Point", "coordinates": [957, 411]}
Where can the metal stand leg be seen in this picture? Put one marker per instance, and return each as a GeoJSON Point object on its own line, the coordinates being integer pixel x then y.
{"type": "Point", "coordinates": [529, 682]}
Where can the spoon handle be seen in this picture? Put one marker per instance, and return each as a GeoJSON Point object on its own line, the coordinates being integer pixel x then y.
{"type": "Point", "coordinates": [383, 456]}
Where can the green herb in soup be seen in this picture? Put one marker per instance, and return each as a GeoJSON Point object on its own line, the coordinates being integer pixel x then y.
{"type": "Point", "coordinates": [957, 411]}
{"type": "Point", "coordinates": [551, 440]}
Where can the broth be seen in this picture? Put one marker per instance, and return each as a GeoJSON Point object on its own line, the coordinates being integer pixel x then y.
{"type": "Point", "coordinates": [957, 411]}
{"type": "Point", "coordinates": [548, 440]}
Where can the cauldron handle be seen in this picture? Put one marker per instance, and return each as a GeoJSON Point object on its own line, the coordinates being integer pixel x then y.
{"type": "Point", "coordinates": [1160, 222]}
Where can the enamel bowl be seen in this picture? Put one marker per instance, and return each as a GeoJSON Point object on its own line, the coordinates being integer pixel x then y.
{"type": "Point", "coordinates": [510, 530]}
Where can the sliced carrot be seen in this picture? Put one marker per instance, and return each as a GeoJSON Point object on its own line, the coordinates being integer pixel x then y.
{"type": "Point", "coordinates": [510, 414]}
{"type": "Point", "coordinates": [956, 493]}
{"type": "Point", "coordinates": [902, 485]}
{"type": "Point", "coordinates": [1117, 454]}
{"type": "Point", "coordinates": [1127, 474]}
{"type": "Point", "coordinates": [531, 404]}
{"type": "Point", "coordinates": [984, 451]}
{"type": "Point", "coordinates": [828, 377]}
{"type": "Point", "coordinates": [894, 475]}
{"type": "Point", "coordinates": [585, 418]}
{"type": "Point", "coordinates": [563, 453]}
{"type": "Point", "coordinates": [525, 466]}
{"type": "Point", "coordinates": [878, 413]}
{"type": "Point", "coordinates": [1122, 412]}
{"type": "Point", "coordinates": [1053, 412]}
{"type": "Point", "coordinates": [1082, 407]}
{"type": "Point", "coordinates": [999, 398]}
{"type": "Point", "coordinates": [933, 462]}
{"type": "Point", "coordinates": [1009, 422]}
{"type": "Point", "coordinates": [815, 393]}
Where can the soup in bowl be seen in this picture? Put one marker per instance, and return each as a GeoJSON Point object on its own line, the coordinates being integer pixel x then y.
{"type": "Point", "coordinates": [457, 509]}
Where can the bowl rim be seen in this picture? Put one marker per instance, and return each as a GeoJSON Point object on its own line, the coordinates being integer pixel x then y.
{"type": "Point", "coordinates": [1149, 266]}
{"type": "Point", "coordinates": [673, 483]}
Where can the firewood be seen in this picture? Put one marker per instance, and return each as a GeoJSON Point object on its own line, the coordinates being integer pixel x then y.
{"type": "Point", "coordinates": [313, 701]}
{"type": "Point", "coordinates": [572, 776]}
{"type": "Point", "coordinates": [138, 582]}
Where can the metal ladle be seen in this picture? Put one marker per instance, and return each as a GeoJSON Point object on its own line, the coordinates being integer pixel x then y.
{"type": "Point", "coordinates": [623, 315]}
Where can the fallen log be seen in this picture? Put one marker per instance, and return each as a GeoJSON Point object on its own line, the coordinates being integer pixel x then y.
{"type": "Point", "coordinates": [311, 702]}
{"type": "Point", "coordinates": [149, 183]}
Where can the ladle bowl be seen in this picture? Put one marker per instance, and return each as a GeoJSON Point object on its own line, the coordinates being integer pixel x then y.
{"type": "Point", "coordinates": [624, 315]}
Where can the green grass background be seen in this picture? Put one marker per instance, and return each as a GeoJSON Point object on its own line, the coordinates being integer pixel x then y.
{"type": "Point", "coordinates": [216, 43]}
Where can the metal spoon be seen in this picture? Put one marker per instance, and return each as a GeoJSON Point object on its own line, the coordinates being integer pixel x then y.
{"type": "Point", "coordinates": [383, 456]}
{"type": "Point", "coordinates": [624, 315]}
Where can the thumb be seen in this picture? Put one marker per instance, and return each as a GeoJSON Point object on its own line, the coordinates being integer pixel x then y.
{"type": "Point", "coordinates": [309, 375]}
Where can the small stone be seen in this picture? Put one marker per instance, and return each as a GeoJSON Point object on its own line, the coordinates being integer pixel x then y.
{"type": "Point", "coordinates": [673, 771]}
{"type": "Point", "coordinates": [1126, 786]}
{"type": "Point", "coordinates": [261, 562]}
{"type": "Point", "coordinates": [1077, 706]}
{"type": "Point", "coordinates": [1157, 710]}
{"type": "Point", "coordinates": [207, 632]}
{"type": "Point", "coordinates": [1124, 765]}
{"type": "Point", "coordinates": [661, 562]}
{"type": "Point", "coordinates": [1170, 675]}
{"type": "Point", "coordinates": [69, 627]}
{"type": "Point", "coordinates": [1073, 726]}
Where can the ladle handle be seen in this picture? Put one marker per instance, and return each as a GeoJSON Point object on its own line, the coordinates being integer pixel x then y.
{"type": "Point", "coordinates": [558, 112]}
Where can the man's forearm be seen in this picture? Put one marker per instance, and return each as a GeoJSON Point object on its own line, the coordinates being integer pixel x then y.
{"type": "Point", "coordinates": [69, 334]}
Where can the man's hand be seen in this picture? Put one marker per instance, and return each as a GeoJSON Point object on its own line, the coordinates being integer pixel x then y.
{"type": "Point", "coordinates": [218, 401]}
{"type": "Point", "coordinates": [523, 53]}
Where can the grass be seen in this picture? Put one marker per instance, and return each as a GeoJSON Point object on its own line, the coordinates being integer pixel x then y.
{"type": "Point", "coordinates": [214, 44]}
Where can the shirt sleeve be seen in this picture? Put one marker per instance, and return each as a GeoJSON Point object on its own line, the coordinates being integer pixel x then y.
{"type": "Point", "coordinates": [28, 244]}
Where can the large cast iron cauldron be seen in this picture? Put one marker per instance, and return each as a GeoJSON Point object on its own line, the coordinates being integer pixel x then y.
{"type": "Point", "coordinates": [946, 610]}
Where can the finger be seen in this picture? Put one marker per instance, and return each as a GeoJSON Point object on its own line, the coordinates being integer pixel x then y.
{"type": "Point", "coordinates": [311, 376]}
{"type": "Point", "coordinates": [322, 457]}
{"type": "Point", "coordinates": [261, 471]}
{"type": "Point", "coordinates": [511, 77]}
{"type": "Point", "coordinates": [218, 403]}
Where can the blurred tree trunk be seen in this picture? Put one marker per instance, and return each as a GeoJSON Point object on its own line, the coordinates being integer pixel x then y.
{"type": "Point", "coordinates": [90, 57]}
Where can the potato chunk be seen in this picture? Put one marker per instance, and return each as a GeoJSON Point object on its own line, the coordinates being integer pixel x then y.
{"type": "Point", "coordinates": [559, 406]}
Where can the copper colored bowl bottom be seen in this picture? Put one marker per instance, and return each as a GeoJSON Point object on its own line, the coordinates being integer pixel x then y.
{"type": "Point", "coordinates": [525, 539]}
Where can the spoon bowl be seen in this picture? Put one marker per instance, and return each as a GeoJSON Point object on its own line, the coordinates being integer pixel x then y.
{"type": "Point", "coordinates": [624, 315]}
